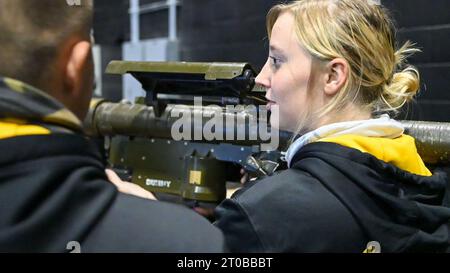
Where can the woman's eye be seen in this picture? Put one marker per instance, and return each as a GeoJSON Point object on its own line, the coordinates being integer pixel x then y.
{"type": "Point", "coordinates": [275, 62]}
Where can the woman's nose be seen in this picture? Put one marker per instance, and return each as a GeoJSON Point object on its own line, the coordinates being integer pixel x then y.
{"type": "Point", "coordinates": [263, 77]}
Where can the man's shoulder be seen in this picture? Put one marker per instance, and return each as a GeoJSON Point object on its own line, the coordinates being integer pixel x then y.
{"type": "Point", "coordinates": [49, 145]}
{"type": "Point", "coordinates": [134, 224]}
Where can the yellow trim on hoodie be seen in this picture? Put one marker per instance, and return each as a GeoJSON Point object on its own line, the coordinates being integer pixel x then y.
{"type": "Point", "coordinates": [13, 128]}
{"type": "Point", "coordinates": [400, 152]}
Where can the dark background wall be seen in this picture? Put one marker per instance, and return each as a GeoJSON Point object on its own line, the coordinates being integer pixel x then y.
{"type": "Point", "coordinates": [234, 30]}
{"type": "Point", "coordinates": [427, 23]}
{"type": "Point", "coordinates": [111, 29]}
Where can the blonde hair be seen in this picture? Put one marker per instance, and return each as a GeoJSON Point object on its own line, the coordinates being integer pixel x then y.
{"type": "Point", "coordinates": [363, 34]}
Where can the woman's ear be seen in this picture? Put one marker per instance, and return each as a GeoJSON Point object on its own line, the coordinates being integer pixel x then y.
{"type": "Point", "coordinates": [337, 72]}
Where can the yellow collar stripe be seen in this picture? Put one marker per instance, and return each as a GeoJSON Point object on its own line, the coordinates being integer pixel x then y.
{"type": "Point", "coordinates": [10, 129]}
{"type": "Point", "coordinates": [400, 152]}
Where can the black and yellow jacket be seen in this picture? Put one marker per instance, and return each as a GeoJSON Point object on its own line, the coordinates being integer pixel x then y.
{"type": "Point", "coordinates": [54, 192]}
{"type": "Point", "coordinates": [340, 194]}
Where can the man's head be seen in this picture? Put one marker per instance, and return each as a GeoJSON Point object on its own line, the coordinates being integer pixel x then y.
{"type": "Point", "coordinates": [47, 44]}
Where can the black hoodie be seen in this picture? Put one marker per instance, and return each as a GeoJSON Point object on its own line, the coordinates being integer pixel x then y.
{"type": "Point", "coordinates": [338, 199]}
{"type": "Point", "coordinates": [55, 197]}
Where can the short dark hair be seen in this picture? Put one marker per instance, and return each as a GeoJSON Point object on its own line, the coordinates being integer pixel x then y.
{"type": "Point", "coordinates": [31, 32]}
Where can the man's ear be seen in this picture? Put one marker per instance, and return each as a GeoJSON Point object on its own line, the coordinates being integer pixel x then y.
{"type": "Point", "coordinates": [337, 72]}
{"type": "Point", "coordinates": [78, 60]}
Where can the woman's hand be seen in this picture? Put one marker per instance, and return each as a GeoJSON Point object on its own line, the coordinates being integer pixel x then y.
{"type": "Point", "coordinates": [127, 187]}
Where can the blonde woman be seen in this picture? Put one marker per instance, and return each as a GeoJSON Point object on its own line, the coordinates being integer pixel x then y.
{"type": "Point", "coordinates": [354, 177]}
